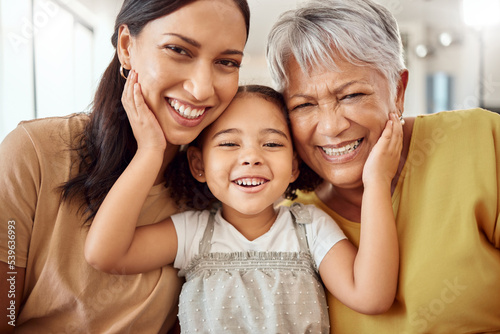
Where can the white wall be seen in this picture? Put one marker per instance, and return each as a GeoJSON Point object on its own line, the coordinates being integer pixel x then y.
{"type": "Point", "coordinates": [52, 56]}
{"type": "Point", "coordinates": [16, 65]}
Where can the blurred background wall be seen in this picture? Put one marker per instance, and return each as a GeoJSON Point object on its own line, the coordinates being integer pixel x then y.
{"type": "Point", "coordinates": [53, 53]}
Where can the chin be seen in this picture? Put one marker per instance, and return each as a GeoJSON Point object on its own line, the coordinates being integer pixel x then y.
{"type": "Point", "coordinates": [345, 178]}
{"type": "Point", "coordinates": [181, 138]}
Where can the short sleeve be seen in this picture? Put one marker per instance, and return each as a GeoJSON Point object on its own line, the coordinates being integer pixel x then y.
{"type": "Point", "coordinates": [322, 234]}
{"type": "Point", "coordinates": [19, 188]}
{"type": "Point", "coordinates": [189, 226]}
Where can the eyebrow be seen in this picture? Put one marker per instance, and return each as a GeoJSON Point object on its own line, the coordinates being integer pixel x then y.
{"type": "Point", "coordinates": [263, 131]}
{"type": "Point", "coordinates": [274, 131]}
{"type": "Point", "coordinates": [335, 91]}
{"type": "Point", "coordinates": [198, 45]}
{"type": "Point", "coordinates": [223, 132]}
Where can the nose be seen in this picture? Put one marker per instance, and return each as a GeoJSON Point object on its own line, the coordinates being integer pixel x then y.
{"type": "Point", "coordinates": [331, 120]}
{"type": "Point", "coordinates": [250, 157]}
{"type": "Point", "coordinates": [200, 82]}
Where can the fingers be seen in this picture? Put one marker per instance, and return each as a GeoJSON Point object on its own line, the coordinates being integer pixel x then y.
{"type": "Point", "coordinates": [383, 160]}
{"type": "Point", "coordinates": [133, 99]}
{"type": "Point", "coordinates": [145, 126]}
{"type": "Point", "coordinates": [397, 133]}
{"type": "Point", "coordinates": [140, 104]}
{"type": "Point", "coordinates": [393, 134]}
{"type": "Point", "coordinates": [128, 100]}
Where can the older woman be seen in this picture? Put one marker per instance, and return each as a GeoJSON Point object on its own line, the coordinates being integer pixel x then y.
{"type": "Point", "coordinates": [340, 66]}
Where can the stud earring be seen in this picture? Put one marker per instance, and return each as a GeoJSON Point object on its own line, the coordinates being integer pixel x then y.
{"type": "Point", "coordinates": [401, 119]}
{"type": "Point", "coordinates": [122, 70]}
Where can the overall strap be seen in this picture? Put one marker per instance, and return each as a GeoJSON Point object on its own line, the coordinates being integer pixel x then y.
{"type": "Point", "coordinates": [301, 217]}
{"type": "Point", "coordinates": [206, 240]}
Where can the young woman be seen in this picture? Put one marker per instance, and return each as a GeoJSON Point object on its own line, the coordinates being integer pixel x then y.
{"type": "Point", "coordinates": [57, 171]}
{"type": "Point", "coordinates": [249, 267]}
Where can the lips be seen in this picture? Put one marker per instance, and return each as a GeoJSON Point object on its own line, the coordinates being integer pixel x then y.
{"type": "Point", "coordinates": [342, 150]}
{"type": "Point", "coordinates": [250, 181]}
{"type": "Point", "coordinates": [188, 112]}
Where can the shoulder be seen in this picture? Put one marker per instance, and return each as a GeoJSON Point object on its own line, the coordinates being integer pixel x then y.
{"type": "Point", "coordinates": [447, 130]}
{"type": "Point", "coordinates": [308, 213]}
{"type": "Point", "coordinates": [191, 217]}
{"type": "Point", "coordinates": [55, 129]}
{"type": "Point", "coordinates": [46, 133]}
{"type": "Point", "coordinates": [458, 119]}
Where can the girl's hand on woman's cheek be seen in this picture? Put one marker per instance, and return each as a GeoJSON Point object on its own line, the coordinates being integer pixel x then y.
{"type": "Point", "coordinates": [383, 161]}
{"type": "Point", "coordinates": [147, 130]}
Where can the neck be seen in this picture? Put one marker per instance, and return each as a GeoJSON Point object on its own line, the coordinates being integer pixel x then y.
{"type": "Point", "coordinates": [345, 202]}
{"type": "Point", "coordinates": [168, 156]}
{"type": "Point", "coordinates": [251, 226]}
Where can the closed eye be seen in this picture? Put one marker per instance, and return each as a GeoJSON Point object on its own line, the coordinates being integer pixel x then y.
{"type": "Point", "coordinates": [303, 105]}
{"type": "Point", "coordinates": [228, 144]}
{"type": "Point", "coordinates": [273, 144]}
{"type": "Point", "coordinates": [352, 96]}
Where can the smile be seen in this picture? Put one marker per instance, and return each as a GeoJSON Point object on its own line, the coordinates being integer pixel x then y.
{"type": "Point", "coordinates": [342, 150]}
{"type": "Point", "coordinates": [250, 182]}
{"type": "Point", "coordinates": [186, 111]}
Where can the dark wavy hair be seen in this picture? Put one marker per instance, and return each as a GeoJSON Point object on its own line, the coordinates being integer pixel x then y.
{"type": "Point", "coordinates": [189, 193]}
{"type": "Point", "coordinates": [107, 144]}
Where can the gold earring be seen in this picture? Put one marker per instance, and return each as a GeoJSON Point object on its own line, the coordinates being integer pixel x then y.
{"type": "Point", "coordinates": [122, 70]}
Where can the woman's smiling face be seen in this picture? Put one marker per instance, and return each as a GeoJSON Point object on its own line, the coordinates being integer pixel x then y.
{"type": "Point", "coordinates": [188, 65]}
{"type": "Point", "coordinates": [337, 117]}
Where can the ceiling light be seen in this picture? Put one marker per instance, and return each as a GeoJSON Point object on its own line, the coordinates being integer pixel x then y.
{"type": "Point", "coordinates": [480, 13]}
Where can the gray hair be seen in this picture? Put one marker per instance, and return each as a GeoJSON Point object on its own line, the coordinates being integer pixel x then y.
{"type": "Point", "coordinates": [361, 31]}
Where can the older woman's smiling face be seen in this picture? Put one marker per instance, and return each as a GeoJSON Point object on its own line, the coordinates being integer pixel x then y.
{"type": "Point", "coordinates": [337, 117]}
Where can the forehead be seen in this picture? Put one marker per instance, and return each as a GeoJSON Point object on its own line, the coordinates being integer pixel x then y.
{"type": "Point", "coordinates": [317, 79]}
{"type": "Point", "coordinates": [250, 111]}
{"type": "Point", "coordinates": [203, 18]}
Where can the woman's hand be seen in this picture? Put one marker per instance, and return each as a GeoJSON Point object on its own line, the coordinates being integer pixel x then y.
{"type": "Point", "coordinates": [383, 161]}
{"type": "Point", "coordinates": [147, 130]}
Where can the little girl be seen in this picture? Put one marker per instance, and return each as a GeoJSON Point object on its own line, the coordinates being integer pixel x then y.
{"type": "Point", "coordinates": [251, 267]}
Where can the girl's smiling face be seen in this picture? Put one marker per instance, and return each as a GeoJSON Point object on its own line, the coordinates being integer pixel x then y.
{"type": "Point", "coordinates": [188, 64]}
{"type": "Point", "coordinates": [247, 156]}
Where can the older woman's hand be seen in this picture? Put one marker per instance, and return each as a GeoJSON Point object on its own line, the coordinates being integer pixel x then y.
{"type": "Point", "coordinates": [383, 161]}
{"type": "Point", "coordinates": [147, 130]}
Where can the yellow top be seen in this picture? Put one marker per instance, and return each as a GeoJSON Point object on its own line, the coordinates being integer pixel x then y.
{"type": "Point", "coordinates": [447, 207]}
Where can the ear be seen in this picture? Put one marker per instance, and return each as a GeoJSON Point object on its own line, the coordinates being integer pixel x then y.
{"type": "Point", "coordinates": [196, 166]}
{"type": "Point", "coordinates": [401, 89]}
{"type": "Point", "coordinates": [295, 168]}
{"type": "Point", "coordinates": [123, 46]}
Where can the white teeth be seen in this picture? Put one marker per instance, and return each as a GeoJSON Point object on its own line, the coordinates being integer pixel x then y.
{"type": "Point", "coordinates": [250, 182]}
{"type": "Point", "coordinates": [342, 150]}
{"type": "Point", "coordinates": [184, 111]}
